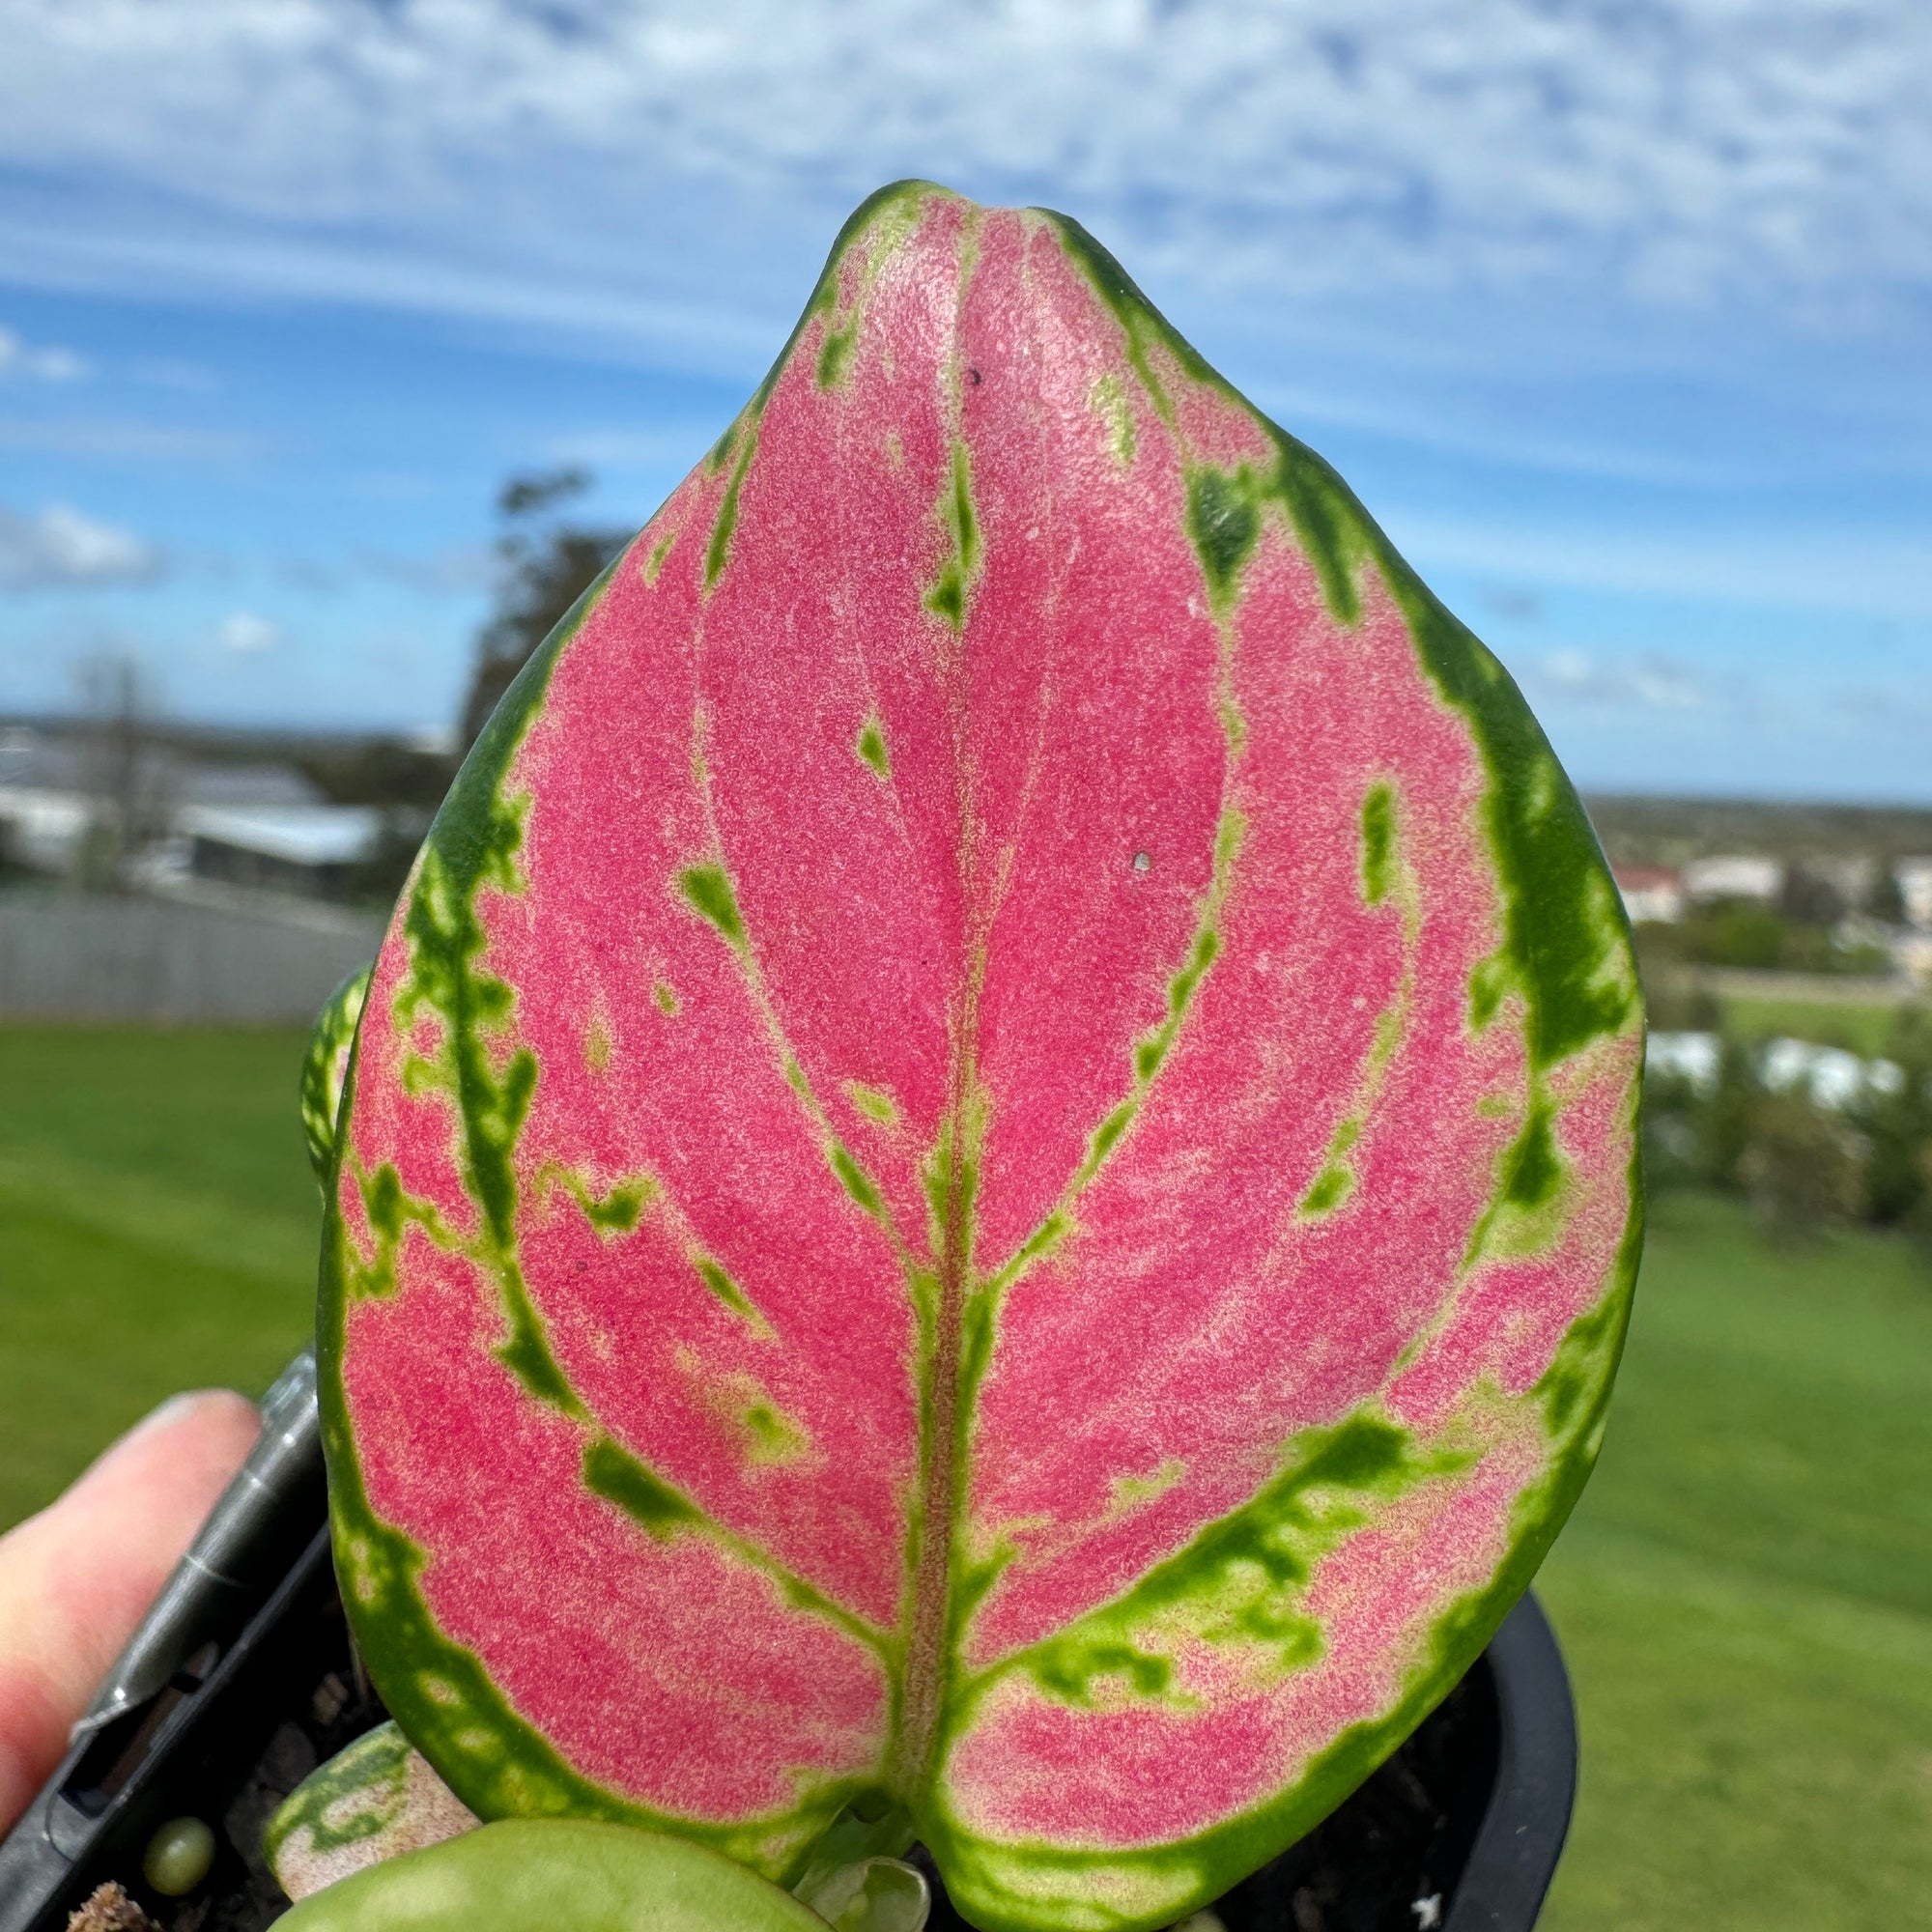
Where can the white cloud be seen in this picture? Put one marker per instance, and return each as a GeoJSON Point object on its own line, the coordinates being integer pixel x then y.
{"type": "Point", "coordinates": [654, 448]}
{"type": "Point", "coordinates": [38, 362]}
{"type": "Point", "coordinates": [246, 635]}
{"type": "Point", "coordinates": [1878, 571]}
{"type": "Point", "coordinates": [1888, 710]}
{"type": "Point", "coordinates": [455, 570]}
{"type": "Point", "coordinates": [1650, 682]}
{"type": "Point", "coordinates": [60, 547]}
{"type": "Point", "coordinates": [505, 154]}
{"type": "Point", "coordinates": [125, 439]}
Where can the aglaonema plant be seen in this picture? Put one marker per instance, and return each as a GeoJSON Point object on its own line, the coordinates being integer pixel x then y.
{"type": "Point", "coordinates": [987, 1183]}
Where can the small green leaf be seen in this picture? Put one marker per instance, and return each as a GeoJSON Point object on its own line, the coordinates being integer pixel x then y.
{"type": "Point", "coordinates": [569, 1874]}
{"type": "Point", "coordinates": [873, 1895]}
{"type": "Point", "coordinates": [325, 1067]}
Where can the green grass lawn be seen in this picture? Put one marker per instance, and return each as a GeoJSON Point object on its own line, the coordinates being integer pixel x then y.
{"type": "Point", "coordinates": [157, 1231]}
{"type": "Point", "coordinates": [1745, 1594]}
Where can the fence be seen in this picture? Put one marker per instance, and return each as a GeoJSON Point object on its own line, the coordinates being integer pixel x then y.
{"type": "Point", "coordinates": [162, 960]}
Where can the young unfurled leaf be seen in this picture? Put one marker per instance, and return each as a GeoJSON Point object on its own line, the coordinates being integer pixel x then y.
{"type": "Point", "coordinates": [373, 1800]}
{"type": "Point", "coordinates": [325, 1067]}
{"type": "Point", "coordinates": [991, 1168]}
{"type": "Point", "coordinates": [851, 1841]}
{"type": "Point", "coordinates": [873, 1895]}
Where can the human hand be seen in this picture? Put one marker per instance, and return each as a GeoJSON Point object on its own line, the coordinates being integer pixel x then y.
{"type": "Point", "coordinates": [75, 1579]}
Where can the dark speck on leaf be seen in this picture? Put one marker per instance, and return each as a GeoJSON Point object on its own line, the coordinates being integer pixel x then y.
{"type": "Point", "coordinates": [973, 377]}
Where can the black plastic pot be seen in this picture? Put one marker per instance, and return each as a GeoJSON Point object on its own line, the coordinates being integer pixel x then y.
{"type": "Point", "coordinates": [245, 1679]}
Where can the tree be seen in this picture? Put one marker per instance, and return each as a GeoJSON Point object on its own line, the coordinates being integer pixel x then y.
{"type": "Point", "coordinates": [127, 776]}
{"type": "Point", "coordinates": [547, 566]}
{"type": "Point", "coordinates": [1730, 1111]}
{"type": "Point", "coordinates": [1896, 1120]}
{"type": "Point", "coordinates": [1809, 898]}
{"type": "Point", "coordinates": [1883, 901]}
{"type": "Point", "coordinates": [1801, 1170]}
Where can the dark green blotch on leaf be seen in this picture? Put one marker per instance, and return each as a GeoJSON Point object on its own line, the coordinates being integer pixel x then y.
{"type": "Point", "coordinates": [618, 1477]}
{"type": "Point", "coordinates": [710, 892]}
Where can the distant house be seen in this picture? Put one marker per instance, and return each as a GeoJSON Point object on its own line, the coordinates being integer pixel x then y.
{"type": "Point", "coordinates": [1651, 893]}
{"type": "Point", "coordinates": [1733, 876]}
{"type": "Point", "coordinates": [276, 787]}
{"type": "Point", "coordinates": [263, 825]}
{"type": "Point", "coordinates": [309, 849]}
{"type": "Point", "coordinates": [43, 831]}
{"type": "Point", "coordinates": [1911, 953]}
{"type": "Point", "coordinates": [266, 827]}
{"type": "Point", "coordinates": [45, 807]}
{"type": "Point", "coordinates": [1914, 891]}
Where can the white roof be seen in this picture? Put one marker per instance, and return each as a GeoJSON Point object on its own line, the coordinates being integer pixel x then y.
{"type": "Point", "coordinates": [303, 835]}
{"type": "Point", "coordinates": [1741, 875]}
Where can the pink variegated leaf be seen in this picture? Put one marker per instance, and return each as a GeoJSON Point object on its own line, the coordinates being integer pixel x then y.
{"type": "Point", "coordinates": [991, 1163]}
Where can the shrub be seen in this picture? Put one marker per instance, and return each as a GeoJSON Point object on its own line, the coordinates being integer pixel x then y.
{"type": "Point", "coordinates": [1898, 1125]}
{"type": "Point", "coordinates": [1801, 1168]}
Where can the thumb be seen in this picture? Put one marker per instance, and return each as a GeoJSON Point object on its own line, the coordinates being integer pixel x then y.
{"type": "Point", "coordinates": [75, 1579]}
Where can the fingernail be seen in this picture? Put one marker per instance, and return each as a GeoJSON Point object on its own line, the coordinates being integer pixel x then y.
{"type": "Point", "coordinates": [162, 1417]}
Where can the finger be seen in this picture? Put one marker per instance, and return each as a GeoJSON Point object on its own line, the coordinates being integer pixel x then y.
{"type": "Point", "coordinates": [75, 1579]}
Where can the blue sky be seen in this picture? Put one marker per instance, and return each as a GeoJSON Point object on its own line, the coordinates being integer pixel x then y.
{"type": "Point", "coordinates": [1617, 314]}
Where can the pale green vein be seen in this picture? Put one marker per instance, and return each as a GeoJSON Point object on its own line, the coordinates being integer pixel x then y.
{"type": "Point", "coordinates": [662, 1510]}
{"type": "Point", "coordinates": [712, 1273]}
{"type": "Point", "coordinates": [647, 1496]}
{"type": "Point", "coordinates": [708, 890]}
{"type": "Point", "coordinates": [943, 1300]}
{"type": "Point", "coordinates": [871, 746]}
{"type": "Point", "coordinates": [892, 226]}
{"type": "Point", "coordinates": [719, 552]}
{"type": "Point", "coordinates": [1240, 1577]}
{"type": "Point", "coordinates": [391, 1210]}
{"type": "Point", "coordinates": [1151, 1053]}
{"type": "Point", "coordinates": [621, 1211]}
{"type": "Point", "coordinates": [615, 1212]}
{"type": "Point", "coordinates": [1388, 876]}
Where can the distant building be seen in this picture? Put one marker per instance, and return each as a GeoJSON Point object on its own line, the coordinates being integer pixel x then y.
{"type": "Point", "coordinates": [263, 826]}
{"type": "Point", "coordinates": [1734, 876]}
{"type": "Point", "coordinates": [275, 788]}
{"type": "Point", "coordinates": [311, 850]}
{"type": "Point", "coordinates": [1911, 953]}
{"type": "Point", "coordinates": [1651, 893]}
{"type": "Point", "coordinates": [1914, 891]}
{"type": "Point", "coordinates": [45, 807]}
